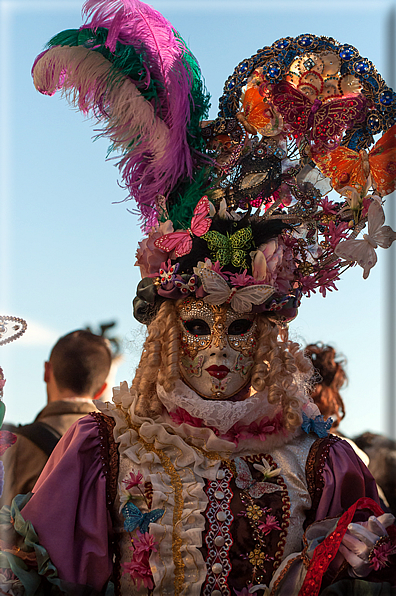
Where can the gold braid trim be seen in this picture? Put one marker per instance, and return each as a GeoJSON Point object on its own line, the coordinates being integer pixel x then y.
{"type": "Point", "coordinates": [177, 486]}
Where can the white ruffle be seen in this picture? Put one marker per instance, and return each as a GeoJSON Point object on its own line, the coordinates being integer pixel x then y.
{"type": "Point", "coordinates": [219, 414]}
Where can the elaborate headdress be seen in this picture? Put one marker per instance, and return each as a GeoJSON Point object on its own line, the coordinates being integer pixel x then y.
{"type": "Point", "coordinates": [236, 209]}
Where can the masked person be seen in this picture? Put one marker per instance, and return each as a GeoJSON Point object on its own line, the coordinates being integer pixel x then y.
{"type": "Point", "coordinates": [214, 473]}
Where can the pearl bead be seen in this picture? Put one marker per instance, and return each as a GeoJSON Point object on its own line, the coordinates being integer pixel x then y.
{"type": "Point", "coordinates": [219, 495]}
{"type": "Point", "coordinates": [217, 568]}
{"type": "Point", "coordinates": [221, 516]}
{"type": "Point", "coordinates": [219, 541]}
{"type": "Point", "coordinates": [220, 474]}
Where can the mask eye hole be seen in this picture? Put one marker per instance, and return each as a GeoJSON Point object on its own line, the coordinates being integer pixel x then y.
{"type": "Point", "coordinates": [240, 326]}
{"type": "Point", "coordinates": [197, 327]}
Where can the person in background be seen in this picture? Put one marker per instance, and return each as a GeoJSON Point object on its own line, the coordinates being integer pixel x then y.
{"type": "Point", "coordinates": [75, 374]}
{"type": "Point", "coordinates": [329, 380]}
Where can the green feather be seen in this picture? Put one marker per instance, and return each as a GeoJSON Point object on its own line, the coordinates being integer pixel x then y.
{"type": "Point", "coordinates": [183, 200]}
{"type": "Point", "coordinates": [126, 61]}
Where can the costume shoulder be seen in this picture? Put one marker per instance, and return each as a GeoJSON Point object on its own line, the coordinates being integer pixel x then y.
{"type": "Point", "coordinates": [69, 508]}
{"type": "Point", "coordinates": [336, 478]}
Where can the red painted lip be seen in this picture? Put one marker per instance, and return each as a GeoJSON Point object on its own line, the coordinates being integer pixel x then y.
{"type": "Point", "coordinates": [219, 372]}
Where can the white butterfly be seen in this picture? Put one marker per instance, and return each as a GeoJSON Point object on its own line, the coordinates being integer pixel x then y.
{"type": "Point", "coordinates": [219, 292]}
{"type": "Point", "coordinates": [363, 251]}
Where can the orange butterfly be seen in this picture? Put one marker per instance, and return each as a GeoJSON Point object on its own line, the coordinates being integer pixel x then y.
{"type": "Point", "coordinates": [257, 114]}
{"type": "Point", "coordinates": [346, 167]}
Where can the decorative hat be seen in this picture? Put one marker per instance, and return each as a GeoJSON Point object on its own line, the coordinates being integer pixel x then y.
{"type": "Point", "coordinates": [235, 210]}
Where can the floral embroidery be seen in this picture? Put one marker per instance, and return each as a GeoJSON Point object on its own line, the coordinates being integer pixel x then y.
{"type": "Point", "coordinates": [133, 480]}
{"type": "Point", "coordinates": [139, 568]}
{"type": "Point", "coordinates": [143, 543]}
{"type": "Point", "coordinates": [270, 523]}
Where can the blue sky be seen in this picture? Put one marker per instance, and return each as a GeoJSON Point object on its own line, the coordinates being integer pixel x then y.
{"type": "Point", "coordinates": [67, 240]}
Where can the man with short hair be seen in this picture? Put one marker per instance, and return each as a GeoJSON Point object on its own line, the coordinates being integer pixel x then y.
{"type": "Point", "coordinates": [75, 375]}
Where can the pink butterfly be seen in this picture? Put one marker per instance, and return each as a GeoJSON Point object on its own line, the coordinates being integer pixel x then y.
{"type": "Point", "coordinates": [181, 242]}
{"type": "Point", "coordinates": [245, 481]}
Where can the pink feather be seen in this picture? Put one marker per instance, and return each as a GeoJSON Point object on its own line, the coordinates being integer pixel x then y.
{"type": "Point", "coordinates": [134, 23]}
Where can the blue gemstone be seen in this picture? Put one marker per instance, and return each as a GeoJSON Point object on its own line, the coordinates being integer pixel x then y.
{"type": "Point", "coordinates": [273, 71]}
{"type": "Point", "coordinates": [347, 53]}
{"type": "Point", "coordinates": [231, 85]}
{"type": "Point", "coordinates": [373, 122]}
{"type": "Point", "coordinates": [305, 41]}
{"type": "Point", "coordinates": [282, 44]}
{"type": "Point", "coordinates": [386, 97]}
{"type": "Point", "coordinates": [243, 67]}
{"type": "Point", "coordinates": [361, 67]}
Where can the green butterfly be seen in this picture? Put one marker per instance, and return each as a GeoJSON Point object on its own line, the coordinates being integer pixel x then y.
{"type": "Point", "coordinates": [231, 248]}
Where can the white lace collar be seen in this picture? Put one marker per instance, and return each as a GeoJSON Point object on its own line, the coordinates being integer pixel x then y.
{"type": "Point", "coordinates": [219, 414]}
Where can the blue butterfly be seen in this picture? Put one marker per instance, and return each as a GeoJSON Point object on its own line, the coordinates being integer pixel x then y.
{"type": "Point", "coordinates": [134, 517]}
{"type": "Point", "coordinates": [317, 425]}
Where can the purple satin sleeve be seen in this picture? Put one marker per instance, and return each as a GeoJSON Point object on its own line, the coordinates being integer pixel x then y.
{"type": "Point", "coordinates": [346, 479]}
{"type": "Point", "coordinates": [68, 508]}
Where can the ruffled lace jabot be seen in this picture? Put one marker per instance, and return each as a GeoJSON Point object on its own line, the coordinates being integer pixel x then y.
{"type": "Point", "coordinates": [218, 414]}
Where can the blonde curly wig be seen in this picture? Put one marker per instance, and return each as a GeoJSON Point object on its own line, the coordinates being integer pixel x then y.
{"type": "Point", "coordinates": [279, 365]}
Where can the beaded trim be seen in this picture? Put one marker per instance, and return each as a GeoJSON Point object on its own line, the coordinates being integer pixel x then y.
{"type": "Point", "coordinates": [110, 464]}
{"type": "Point", "coordinates": [19, 329]}
{"type": "Point", "coordinates": [217, 561]}
{"type": "Point", "coordinates": [314, 472]}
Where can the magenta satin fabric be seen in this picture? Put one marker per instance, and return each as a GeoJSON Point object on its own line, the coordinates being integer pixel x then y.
{"type": "Point", "coordinates": [68, 508]}
{"type": "Point", "coordinates": [346, 479]}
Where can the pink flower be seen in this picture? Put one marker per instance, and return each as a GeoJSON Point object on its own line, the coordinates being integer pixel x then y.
{"type": "Point", "coordinates": [334, 234]}
{"type": "Point", "coordinates": [235, 433]}
{"type": "Point", "coordinates": [380, 554]}
{"type": "Point", "coordinates": [140, 573]}
{"type": "Point", "coordinates": [216, 267]}
{"type": "Point", "coordinates": [308, 285]}
{"type": "Point", "coordinates": [270, 523]}
{"type": "Point", "coordinates": [148, 256]}
{"type": "Point", "coordinates": [180, 416]}
{"type": "Point", "coordinates": [259, 430]}
{"type": "Point", "coordinates": [242, 279]}
{"type": "Point", "coordinates": [243, 592]}
{"type": "Point", "coordinates": [133, 480]}
{"type": "Point", "coordinates": [139, 568]}
{"type": "Point", "coordinates": [329, 207]}
{"type": "Point", "coordinates": [143, 545]}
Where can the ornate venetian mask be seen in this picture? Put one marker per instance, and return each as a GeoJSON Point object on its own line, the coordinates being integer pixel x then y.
{"type": "Point", "coordinates": [217, 346]}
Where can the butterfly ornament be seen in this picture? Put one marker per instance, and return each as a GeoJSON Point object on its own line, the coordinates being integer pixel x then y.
{"type": "Point", "coordinates": [246, 482]}
{"type": "Point", "coordinates": [181, 241]}
{"type": "Point", "coordinates": [347, 167]}
{"type": "Point", "coordinates": [134, 518]}
{"type": "Point", "coordinates": [219, 292]}
{"type": "Point", "coordinates": [362, 251]}
{"type": "Point", "coordinates": [323, 122]}
{"type": "Point", "coordinates": [317, 425]}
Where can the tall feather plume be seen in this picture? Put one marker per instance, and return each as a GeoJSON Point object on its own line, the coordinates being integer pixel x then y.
{"type": "Point", "coordinates": [125, 33]}
{"type": "Point", "coordinates": [130, 122]}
